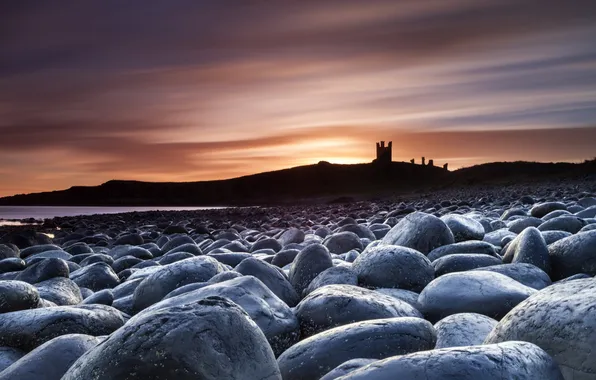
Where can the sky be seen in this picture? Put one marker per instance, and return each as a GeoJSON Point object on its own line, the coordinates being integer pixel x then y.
{"type": "Point", "coordinates": [188, 90]}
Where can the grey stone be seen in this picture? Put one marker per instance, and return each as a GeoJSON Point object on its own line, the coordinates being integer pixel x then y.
{"type": "Point", "coordinates": [528, 247]}
{"type": "Point", "coordinates": [463, 247]}
{"type": "Point", "coordinates": [461, 262]}
{"type": "Point", "coordinates": [574, 254]}
{"type": "Point", "coordinates": [463, 329]}
{"type": "Point", "coordinates": [463, 228]}
{"type": "Point", "coordinates": [307, 265]}
{"type": "Point", "coordinates": [17, 295]}
{"type": "Point", "coordinates": [420, 231]}
{"type": "Point", "coordinates": [526, 274]}
{"type": "Point", "coordinates": [271, 277]}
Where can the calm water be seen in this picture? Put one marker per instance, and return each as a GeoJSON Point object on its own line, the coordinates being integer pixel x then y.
{"type": "Point", "coordinates": [48, 212]}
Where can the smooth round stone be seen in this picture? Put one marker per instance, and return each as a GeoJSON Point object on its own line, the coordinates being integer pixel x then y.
{"type": "Point", "coordinates": [332, 276]}
{"type": "Point", "coordinates": [307, 265]}
{"type": "Point", "coordinates": [542, 209]}
{"type": "Point", "coordinates": [129, 239]}
{"type": "Point", "coordinates": [463, 228]}
{"type": "Point", "coordinates": [54, 254]}
{"type": "Point", "coordinates": [336, 305]}
{"type": "Point", "coordinates": [59, 290]}
{"type": "Point", "coordinates": [96, 277]}
{"type": "Point", "coordinates": [554, 214]}
{"type": "Point", "coordinates": [44, 270]}
{"type": "Point", "coordinates": [271, 277]}
{"type": "Point", "coordinates": [486, 293]}
{"type": "Point", "coordinates": [462, 262]}
{"type": "Point", "coordinates": [127, 250]}
{"type": "Point", "coordinates": [284, 257]}
{"type": "Point", "coordinates": [420, 231]}
{"type": "Point", "coordinates": [509, 360]}
{"type": "Point", "coordinates": [589, 227]}
{"type": "Point", "coordinates": [52, 359]}
{"type": "Point", "coordinates": [496, 237]}
{"type": "Point", "coordinates": [589, 212]}
{"type": "Point", "coordinates": [17, 295]}
{"type": "Point", "coordinates": [267, 243]}
{"type": "Point", "coordinates": [33, 250]}
{"type": "Point", "coordinates": [463, 247]}
{"type": "Point", "coordinates": [553, 236]}
{"type": "Point", "coordinates": [191, 248]}
{"type": "Point", "coordinates": [363, 232]}
{"type": "Point", "coordinates": [572, 255]}
{"type": "Point", "coordinates": [103, 297]}
{"type": "Point", "coordinates": [407, 296]}
{"type": "Point", "coordinates": [125, 262]}
{"type": "Point", "coordinates": [342, 242]}
{"type": "Point", "coordinates": [508, 214]}
{"type": "Point", "coordinates": [172, 257]}
{"type": "Point", "coordinates": [86, 293]}
{"type": "Point", "coordinates": [8, 356]}
{"type": "Point", "coordinates": [391, 266]}
{"type": "Point", "coordinates": [292, 235]}
{"type": "Point", "coordinates": [272, 315]}
{"type": "Point", "coordinates": [313, 357]}
{"type": "Point", "coordinates": [231, 258]}
{"type": "Point", "coordinates": [519, 225]}
{"type": "Point", "coordinates": [12, 264]}
{"type": "Point", "coordinates": [526, 274]}
{"type": "Point", "coordinates": [347, 367]}
{"type": "Point", "coordinates": [97, 258]}
{"type": "Point", "coordinates": [7, 253]}
{"type": "Point", "coordinates": [207, 339]}
{"type": "Point", "coordinates": [169, 277]}
{"type": "Point", "coordinates": [27, 329]}
{"type": "Point", "coordinates": [528, 247]}
{"type": "Point", "coordinates": [561, 320]}
{"type": "Point", "coordinates": [78, 249]}
{"type": "Point", "coordinates": [567, 223]}
{"type": "Point", "coordinates": [463, 329]}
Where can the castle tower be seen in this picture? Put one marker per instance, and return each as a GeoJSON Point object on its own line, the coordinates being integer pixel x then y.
{"type": "Point", "coordinates": [384, 154]}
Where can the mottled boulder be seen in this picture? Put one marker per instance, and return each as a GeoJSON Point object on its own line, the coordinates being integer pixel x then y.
{"type": "Point", "coordinates": [59, 290]}
{"type": "Point", "coordinates": [336, 305]}
{"type": "Point", "coordinates": [572, 255]}
{"type": "Point", "coordinates": [96, 277]}
{"type": "Point", "coordinates": [526, 274]}
{"type": "Point", "coordinates": [272, 315]}
{"type": "Point", "coordinates": [271, 277]}
{"type": "Point", "coordinates": [486, 293]}
{"type": "Point", "coordinates": [17, 295]}
{"type": "Point", "coordinates": [284, 257]}
{"type": "Point", "coordinates": [463, 329]}
{"type": "Point", "coordinates": [509, 360]}
{"type": "Point", "coordinates": [292, 235]}
{"type": "Point", "coordinates": [313, 357]}
{"type": "Point", "coordinates": [561, 320]}
{"type": "Point", "coordinates": [347, 367]}
{"type": "Point", "coordinates": [462, 262]}
{"type": "Point", "coordinates": [52, 359]}
{"type": "Point", "coordinates": [27, 329]}
{"type": "Point", "coordinates": [528, 247]}
{"type": "Point", "coordinates": [391, 266]}
{"type": "Point", "coordinates": [463, 228]}
{"type": "Point", "coordinates": [420, 231]}
{"type": "Point", "coordinates": [307, 265]}
{"type": "Point", "coordinates": [342, 242]}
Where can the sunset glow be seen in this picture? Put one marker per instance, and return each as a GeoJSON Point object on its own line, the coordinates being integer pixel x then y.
{"type": "Point", "coordinates": [199, 90]}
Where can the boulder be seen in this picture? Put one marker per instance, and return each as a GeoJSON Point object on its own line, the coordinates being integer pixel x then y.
{"type": "Point", "coordinates": [572, 255]}
{"type": "Point", "coordinates": [307, 265]}
{"type": "Point", "coordinates": [271, 277]}
{"type": "Point", "coordinates": [332, 276]}
{"type": "Point", "coordinates": [463, 329]}
{"type": "Point", "coordinates": [59, 290]}
{"type": "Point", "coordinates": [420, 231]}
{"type": "Point", "coordinates": [44, 270]}
{"type": "Point", "coordinates": [17, 295]}
{"type": "Point", "coordinates": [342, 242]}
{"type": "Point", "coordinates": [463, 228]}
{"type": "Point", "coordinates": [463, 247]}
{"type": "Point", "coordinates": [462, 262]}
{"type": "Point", "coordinates": [96, 277]}
{"type": "Point", "coordinates": [526, 274]}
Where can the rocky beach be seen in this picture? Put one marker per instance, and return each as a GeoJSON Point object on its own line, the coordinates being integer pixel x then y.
{"type": "Point", "coordinates": [472, 283]}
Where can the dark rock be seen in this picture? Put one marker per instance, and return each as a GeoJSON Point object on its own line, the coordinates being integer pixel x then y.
{"type": "Point", "coordinates": [463, 329]}
{"type": "Point", "coordinates": [125, 262]}
{"type": "Point", "coordinates": [486, 293]}
{"type": "Point", "coordinates": [27, 329]}
{"type": "Point", "coordinates": [407, 296]}
{"type": "Point", "coordinates": [509, 360]}
{"type": "Point", "coordinates": [169, 277]}
{"type": "Point", "coordinates": [172, 257]}
{"type": "Point", "coordinates": [542, 209]}
{"type": "Point", "coordinates": [271, 277]}
{"type": "Point", "coordinates": [559, 319]}
{"type": "Point", "coordinates": [86, 293]}
{"type": "Point", "coordinates": [103, 297]}
{"type": "Point", "coordinates": [496, 237]}
{"type": "Point", "coordinates": [12, 264]}
{"type": "Point", "coordinates": [8, 356]}
{"type": "Point", "coordinates": [44, 270]}
{"type": "Point", "coordinates": [528, 247]}
{"type": "Point", "coordinates": [96, 277]}
{"type": "Point", "coordinates": [209, 339]}
{"type": "Point", "coordinates": [126, 288]}
{"type": "Point", "coordinates": [17, 295]}
{"type": "Point", "coordinates": [391, 266]}
{"type": "Point", "coordinates": [231, 259]}
{"type": "Point", "coordinates": [59, 290]}
{"type": "Point", "coordinates": [269, 243]}
{"type": "Point", "coordinates": [307, 265]}
{"type": "Point", "coordinates": [127, 250]}
{"type": "Point", "coordinates": [519, 225]}
{"type": "Point", "coordinates": [337, 305]}
{"type": "Point", "coordinates": [342, 242]}
{"type": "Point", "coordinates": [462, 262]}
{"type": "Point", "coordinates": [419, 231]}
{"type": "Point", "coordinates": [553, 236]}
{"type": "Point", "coordinates": [526, 274]}
{"type": "Point", "coordinates": [463, 228]}
{"type": "Point", "coordinates": [285, 257]}
{"type": "Point", "coordinates": [463, 247]}
{"type": "Point", "coordinates": [567, 223]}
{"type": "Point", "coordinates": [271, 314]}
{"type": "Point", "coordinates": [332, 276]}
{"type": "Point", "coordinates": [347, 367]}
{"type": "Point", "coordinates": [97, 258]}
{"type": "Point", "coordinates": [30, 251]}
{"type": "Point", "coordinates": [56, 254]}
{"type": "Point", "coordinates": [292, 235]}
{"type": "Point", "coordinates": [382, 338]}
{"type": "Point", "coordinates": [6, 252]}
{"type": "Point", "coordinates": [129, 239]}
{"type": "Point", "coordinates": [572, 255]}
{"type": "Point", "coordinates": [191, 248]}
{"type": "Point", "coordinates": [52, 359]}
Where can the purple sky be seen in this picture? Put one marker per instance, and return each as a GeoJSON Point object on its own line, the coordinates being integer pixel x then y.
{"type": "Point", "coordinates": [187, 90]}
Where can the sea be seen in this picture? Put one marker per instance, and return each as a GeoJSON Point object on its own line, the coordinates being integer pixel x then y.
{"type": "Point", "coordinates": [13, 215]}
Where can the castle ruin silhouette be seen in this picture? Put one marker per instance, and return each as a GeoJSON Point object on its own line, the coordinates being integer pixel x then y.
{"type": "Point", "coordinates": [384, 156]}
